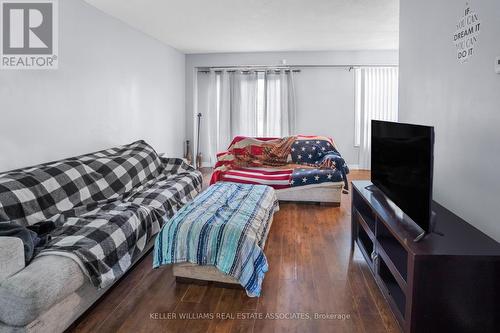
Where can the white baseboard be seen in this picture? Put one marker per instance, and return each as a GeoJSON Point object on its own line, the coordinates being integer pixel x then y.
{"type": "Point", "coordinates": [354, 167]}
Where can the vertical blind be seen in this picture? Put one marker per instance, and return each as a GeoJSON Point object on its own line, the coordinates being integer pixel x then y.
{"type": "Point", "coordinates": [376, 99]}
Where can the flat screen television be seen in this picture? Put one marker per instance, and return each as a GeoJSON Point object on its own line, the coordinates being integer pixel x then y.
{"type": "Point", "coordinates": [402, 159]}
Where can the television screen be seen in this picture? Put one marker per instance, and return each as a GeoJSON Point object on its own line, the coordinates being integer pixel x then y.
{"type": "Point", "coordinates": [402, 166]}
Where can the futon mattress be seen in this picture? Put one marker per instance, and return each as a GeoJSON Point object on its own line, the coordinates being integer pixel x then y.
{"type": "Point", "coordinates": [226, 226]}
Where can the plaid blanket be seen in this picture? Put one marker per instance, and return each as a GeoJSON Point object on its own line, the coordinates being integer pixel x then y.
{"type": "Point", "coordinates": [226, 226]}
{"type": "Point", "coordinates": [106, 205]}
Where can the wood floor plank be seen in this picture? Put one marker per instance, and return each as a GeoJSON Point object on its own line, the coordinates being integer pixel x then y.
{"type": "Point", "coordinates": [244, 307]}
{"type": "Point", "coordinates": [157, 293]}
{"type": "Point", "coordinates": [204, 310]}
{"type": "Point", "coordinates": [288, 268]}
{"type": "Point", "coordinates": [267, 302]}
{"type": "Point", "coordinates": [365, 303]}
{"type": "Point", "coordinates": [94, 318]}
{"type": "Point", "coordinates": [195, 293]}
{"type": "Point", "coordinates": [334, 294]}
{"type": "Point", "coordinates": [311, 271]}
{"type": "Point", "coordinates": [224, 312]}
{"type": "Point", "coordinates": [386, 315]}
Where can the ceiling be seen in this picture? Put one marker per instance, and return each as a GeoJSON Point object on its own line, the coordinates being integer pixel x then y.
{"type": "Point", "coordinates": [206, 26]}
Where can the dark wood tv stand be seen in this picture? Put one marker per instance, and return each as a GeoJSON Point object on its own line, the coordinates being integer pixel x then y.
{"type": "Point", "coordinates": [443, 283]}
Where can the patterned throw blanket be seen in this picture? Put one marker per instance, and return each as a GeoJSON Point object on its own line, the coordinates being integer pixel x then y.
{"type": "Point", "coordinates": [226, 226]}
{"type": "Point", "coordinates": [247, 159]}
{"type": "Point", "coordinates": [107, 205]}
{"type": "Point", "coordinates": [319, 161]}
{"type": "Point", "coordinates": [272, 152]}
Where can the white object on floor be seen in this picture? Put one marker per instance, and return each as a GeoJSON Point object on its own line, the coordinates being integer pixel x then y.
{"type": "Point", "coordinates": [203, 273]}
{"type": "Point", "coordinates": [324, 192]}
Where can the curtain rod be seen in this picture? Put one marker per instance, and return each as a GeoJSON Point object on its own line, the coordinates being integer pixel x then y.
{"type": "Point", "coordinates": [206, 69]}
{"type": "Point", "coordinates": [246, 71]}
{"type": "Point", "coordinates": [345, 66]}
{"type": "Point", "coordinates": [247, 68]}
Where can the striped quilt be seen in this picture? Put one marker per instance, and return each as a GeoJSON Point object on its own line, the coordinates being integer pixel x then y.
{"type": "Point", "coordinates": [283, 178]}
{"type": "Point", "coordinates": [277, 178]}
{"type": "Point", "coordinates": [226, 226]}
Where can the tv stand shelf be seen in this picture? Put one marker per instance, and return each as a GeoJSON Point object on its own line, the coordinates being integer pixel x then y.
{"type": "Point", "coordinates": [446, 282]}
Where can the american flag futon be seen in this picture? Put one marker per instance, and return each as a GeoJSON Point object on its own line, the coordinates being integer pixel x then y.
{"type": "Point", "coordinates": [106, 205]}
{"type": "Point", "coordinates": [311, 160]}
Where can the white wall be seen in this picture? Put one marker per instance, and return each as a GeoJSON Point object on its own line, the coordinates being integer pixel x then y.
{"type": "Point", "coordinates": [114, 85]}
{"type": "Point", "coordinates": [325, 106]}
{"type": "Point", "coordinates": [462, 101]}
{"type": "Point", "coordinates": [325, 96]}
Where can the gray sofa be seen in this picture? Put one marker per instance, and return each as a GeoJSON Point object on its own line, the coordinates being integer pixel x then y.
{"type": "Point", "coordinates": [48, 295]}
{"type": "Point", "coordinates": [106, 207]}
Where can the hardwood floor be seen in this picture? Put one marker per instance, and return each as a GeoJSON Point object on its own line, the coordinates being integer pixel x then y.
{"type": "Point", "coordinates": [311, 271]}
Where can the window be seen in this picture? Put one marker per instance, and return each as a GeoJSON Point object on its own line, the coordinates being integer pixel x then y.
{"type": "Point", "coordinates": [245, 103]}
{"type": "Point", "coordinates": [261, 104]}
{"type": "Point", "coordinates": [357, 107]}
{"type": "Point", "coordinates": [376, 98]}
{"type": "Point", "coordinates": [257, 103]}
